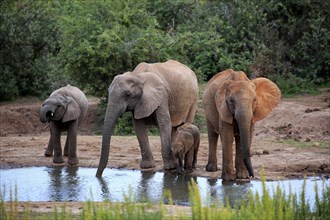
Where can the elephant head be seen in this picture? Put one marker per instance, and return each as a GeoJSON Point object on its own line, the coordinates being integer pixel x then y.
{"type": "Point", "coordinates": [243, 102]}
{"type": "Point", "coordinates": [59, 107]}
{"type": "Point", "coordinates": [140, 93]}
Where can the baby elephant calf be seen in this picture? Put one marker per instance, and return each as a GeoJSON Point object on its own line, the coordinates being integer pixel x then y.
{"type": "Point", "coordinates": [185, 146]}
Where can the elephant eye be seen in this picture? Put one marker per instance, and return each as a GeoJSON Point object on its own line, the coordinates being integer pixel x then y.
{"type": "Point", "coordinates": [58, 105]}
{"type": "Point", "coordinates": [127, 94]}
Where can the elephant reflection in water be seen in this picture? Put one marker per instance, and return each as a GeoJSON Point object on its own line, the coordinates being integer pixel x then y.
{"type": "Point", "coordinates": [234, 191]}
{"type": "Point", "coordinates": [64, 183]}
{"type": "Point", "coordinates": [179, 187]}
{"type": "Point", "coordinates": [146, 190]}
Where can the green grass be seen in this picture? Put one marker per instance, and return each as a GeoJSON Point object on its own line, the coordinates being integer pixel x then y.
{"type": "Point", "coordinates": [255, 206]}
{"type": "Point", "coordinates": [304, 144]}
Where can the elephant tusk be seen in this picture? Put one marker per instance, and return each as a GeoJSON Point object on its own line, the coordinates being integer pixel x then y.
{"type": "Point", "coordinates": [47, 125]}
{"type": "Point", "coordinates": [52, 114]}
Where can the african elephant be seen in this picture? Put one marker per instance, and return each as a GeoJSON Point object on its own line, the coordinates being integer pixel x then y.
{"type": "Point", "coordinates": [163, 94]}
{"type": "Point", "coordinates": [185, 146]}
{"type": "Point", "coordinates": [232, 104]}
{"type": "Point", "coordinates": [64, 109]}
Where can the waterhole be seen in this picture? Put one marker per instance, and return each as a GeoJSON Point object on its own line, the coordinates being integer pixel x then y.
{"type": "Point", "coordinates": [80, 184]}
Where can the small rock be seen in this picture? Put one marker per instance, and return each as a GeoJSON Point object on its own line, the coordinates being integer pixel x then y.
{"type": "Point", "coordinates": [265, 151]}
{"type": "Point", "coordinates": [308, 110]}
{"type": "Point", "coordinates": [308, 140]}
{"type": "Point", "coordinates": [4, 134]}
{"type": "Point", "coordinates": [316, 144]}
{"type": "Point", "coordinates": [296, 139]}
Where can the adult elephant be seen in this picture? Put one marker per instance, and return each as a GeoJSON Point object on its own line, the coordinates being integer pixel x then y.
{"type": "Point", "coordinates": [163, 94]}
{"type": "Point", "coordinates": [64, 109]}
{"type": "Point", "coordinates": [232, 104]}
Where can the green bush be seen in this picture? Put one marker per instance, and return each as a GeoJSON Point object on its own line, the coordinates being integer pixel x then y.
{"type": "Point", "coordinates": [293, 85]}
{"type": "Point", "coordinates": [47, 44]}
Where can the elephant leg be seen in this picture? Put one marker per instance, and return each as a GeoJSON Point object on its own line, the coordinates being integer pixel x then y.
{"type": "Point", "coordinates": [179, 165]}
{"type": "Point", "coordinates": [196, 146]}
{"type": "Point", "coordinates": [241, 171]}
{"type": "Point", "coordinates": [165, 129]}
{"type": "Point", "coordinates": [213, 142]}
{"type": "Point", "coordinates": [55, 131]}
{"type": "Point", "coordinates": [227, 138]}
{"type": "Point", "coordinates": [66, 147]}
{"type": "Point", "coordinates": [188, 161]}
{"type": "Point", "coordinates": [72, 143]}
{"type": "Point", "coordinates": [50, 148]}
{"type": "Point", "coordinates": [142, 136]}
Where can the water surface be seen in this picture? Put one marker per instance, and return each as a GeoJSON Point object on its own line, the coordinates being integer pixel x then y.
{"type": "Point", "coordinates": [80, 184]}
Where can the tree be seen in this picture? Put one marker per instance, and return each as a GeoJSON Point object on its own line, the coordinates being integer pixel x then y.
{"type": "Point", "coordinates": [28, 41]}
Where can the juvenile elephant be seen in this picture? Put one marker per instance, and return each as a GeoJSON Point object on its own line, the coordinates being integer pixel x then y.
{"type": "Point", "coordinates": [163, 94]}
{"type": "Point", "coordinates": [185, 146]}
{"type": "Point", "coordinates": [232, 104]}
{"type": "Point", "coordinates": [64, 109]}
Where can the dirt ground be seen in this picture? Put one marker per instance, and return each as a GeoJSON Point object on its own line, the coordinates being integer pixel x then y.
{"type": "Point", "coordinates": [293, 141]}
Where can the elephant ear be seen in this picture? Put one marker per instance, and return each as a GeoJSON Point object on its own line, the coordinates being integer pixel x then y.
{"type": "Point", "coordinates": [152, 96]}
{"type": "Point", "coordinates": [268, 96]}
{"type": "Point", "coordinates": [73, 110]}
{"type": "Point", "coordinates": [220, 100]}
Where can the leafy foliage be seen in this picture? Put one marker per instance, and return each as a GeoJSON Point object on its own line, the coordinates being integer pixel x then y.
{"type": "Point", "coordinates": [47, 44]}
{"type": "Point", "coordinates": [28, 41]}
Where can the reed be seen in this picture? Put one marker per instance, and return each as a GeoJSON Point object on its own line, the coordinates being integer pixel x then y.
{"type": "Point", "coordinates": [254, 206]}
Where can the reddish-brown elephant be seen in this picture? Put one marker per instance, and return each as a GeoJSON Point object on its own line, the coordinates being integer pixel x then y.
{"type": "Point", "coordinates": [232, 104]}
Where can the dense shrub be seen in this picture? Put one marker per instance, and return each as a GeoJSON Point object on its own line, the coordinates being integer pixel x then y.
{"type": "Point", "coordinates": [47, 44]}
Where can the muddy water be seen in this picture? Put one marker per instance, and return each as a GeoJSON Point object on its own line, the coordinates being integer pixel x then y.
{"type": "Point", "coordinates": [80, 184]}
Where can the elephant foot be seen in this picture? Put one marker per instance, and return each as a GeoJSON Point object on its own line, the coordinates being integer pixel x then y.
{"type": "Point", "coordinates": [146, 164]}
{"type": "Point", "coordinates": [66, 153]}
{"type": "Point", "coordinates": [58, 159]}
{"type": "Point", "coordinates": [228, 177]}
{"type": "Point", "coordinates": [179, 171]}
{"type": "Point", "coordinates": [242, 174]}
{"type": "Point", "coordinates": [211, 167]}
{"type": "Point", "coordinates": [73, 160]}
{"type": "Point", "coordinates": [169, 165]}
{"type": "Point", "coordinates": [188, 170]}
{"type": "Point", "coordinates": [48, 153]}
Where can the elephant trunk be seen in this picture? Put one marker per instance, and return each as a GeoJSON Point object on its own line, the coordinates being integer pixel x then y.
{"type": "Point", "coordinates": [46, 112]}
{"type": "Point", "coordinates": [111, 116]}
{"type": "Point", "coordinates": [245, 126]}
